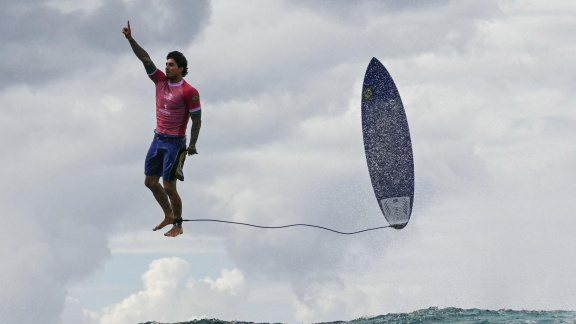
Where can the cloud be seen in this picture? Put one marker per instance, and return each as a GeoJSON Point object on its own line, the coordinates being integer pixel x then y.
{"type": "Point", "coordinates": [171, 294]}
{"type": "Point", "coordinates": [44, 42]}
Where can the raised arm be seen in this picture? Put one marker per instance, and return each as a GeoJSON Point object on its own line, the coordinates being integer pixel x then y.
{"type": "Point", "coordinates": [139, 51]}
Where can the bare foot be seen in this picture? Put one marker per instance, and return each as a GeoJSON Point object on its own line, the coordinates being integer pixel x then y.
{"type": "Point", "coordinates": [166, 221]}
{"type": "Point", "coordinates": [174, 231]}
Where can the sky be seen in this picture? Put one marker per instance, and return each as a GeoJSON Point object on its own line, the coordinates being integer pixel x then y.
{"type": "Point", "coordinates": [488, 92]}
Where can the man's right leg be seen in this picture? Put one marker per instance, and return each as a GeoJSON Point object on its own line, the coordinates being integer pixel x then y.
{"type": "Point", "coordinates": [176, 203]}
{"type": "Point", "coordinates": [153, 183]}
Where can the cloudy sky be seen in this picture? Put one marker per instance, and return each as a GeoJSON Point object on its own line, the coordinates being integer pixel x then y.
{"type": "Point", "coordinates": [488, 88]}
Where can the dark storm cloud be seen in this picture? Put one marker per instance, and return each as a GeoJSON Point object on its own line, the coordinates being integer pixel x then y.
{"type": "Point", "coordinates": [41, 42]}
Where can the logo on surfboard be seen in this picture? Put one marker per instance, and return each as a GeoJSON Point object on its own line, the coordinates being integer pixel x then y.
{"type": "Point", "coordinates": [368, 93]}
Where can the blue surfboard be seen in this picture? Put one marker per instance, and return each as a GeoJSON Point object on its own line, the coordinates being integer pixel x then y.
{"type": "Point", "coordinates": [387, 144]}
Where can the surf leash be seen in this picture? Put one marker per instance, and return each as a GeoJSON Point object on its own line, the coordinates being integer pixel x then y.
{"type": "Point", "coordinates": [179, 222]}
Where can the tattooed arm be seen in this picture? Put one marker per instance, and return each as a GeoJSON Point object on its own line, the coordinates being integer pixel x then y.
{"type": "Point", "coordinates": [139, 51]}
{"type": "Point", "coordinates": [196, 124]}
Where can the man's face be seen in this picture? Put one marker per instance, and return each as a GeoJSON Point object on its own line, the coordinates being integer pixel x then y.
{"type": "Point", "coordinates": [173, 72]}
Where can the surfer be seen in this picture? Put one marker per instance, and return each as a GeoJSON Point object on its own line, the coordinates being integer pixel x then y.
{"type": "Point", "coordinates": [176, 101]}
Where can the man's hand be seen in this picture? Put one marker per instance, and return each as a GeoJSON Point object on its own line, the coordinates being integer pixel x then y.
{"type": "Point", "coordinates": [127, 31]}
{"type": "Point", "coordinates": [192, 150]}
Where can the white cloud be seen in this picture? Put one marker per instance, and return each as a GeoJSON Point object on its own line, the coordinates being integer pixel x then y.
{"type": "Point", "coordinates": [170, 294]}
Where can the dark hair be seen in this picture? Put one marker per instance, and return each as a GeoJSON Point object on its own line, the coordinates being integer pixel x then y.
{"type": "Point", "coordinates": [180, 60]}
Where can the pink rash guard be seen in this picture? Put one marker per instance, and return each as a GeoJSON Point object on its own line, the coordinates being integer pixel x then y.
{"type": "Point", "coordinates": [174, 103]}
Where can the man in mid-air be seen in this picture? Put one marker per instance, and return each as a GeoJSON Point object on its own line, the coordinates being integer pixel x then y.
{"type": "Point", "coordinates": [176, 101]}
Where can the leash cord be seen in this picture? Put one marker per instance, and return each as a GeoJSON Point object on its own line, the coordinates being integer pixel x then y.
{"type": "Point", "coordinates": [179, 221]}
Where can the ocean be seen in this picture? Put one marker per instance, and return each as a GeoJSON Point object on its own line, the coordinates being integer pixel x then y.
{"type": "Point", "coordinates": [442, 315]}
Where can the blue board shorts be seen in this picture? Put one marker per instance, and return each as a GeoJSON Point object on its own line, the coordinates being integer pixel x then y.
{"type": "Point", "coordinates": [166, 157]}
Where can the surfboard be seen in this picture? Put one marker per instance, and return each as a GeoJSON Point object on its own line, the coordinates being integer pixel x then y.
{"type": "Point", "coordinates": [387, 145]}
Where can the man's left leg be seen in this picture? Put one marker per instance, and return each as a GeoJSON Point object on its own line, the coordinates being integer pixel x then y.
{"type": "Point", "coordinates": [176, 202]}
